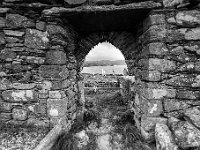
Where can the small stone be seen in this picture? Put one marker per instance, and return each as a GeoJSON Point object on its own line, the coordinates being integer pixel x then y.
{"type": "Point", "coordinates": [41, 25]}
{"type": "Point", "coordinates": [19, 114]}
{"type": "Point", "coordinates": [35, 60]}
{"type": "Point", "coordinates": [2, 38]}
{"type": "Point", "coordinates": [7, 55]}
{"type": "Point", "coordinates": [13, 40]}
{"type": "Point", "coordinates": [171, 105]}
{"type": "Point", "coordinates": [172, 3]}
{"type": "Point", "coordinates": [164, 139]}
{"type": "Point", "coordinates": [56, 30]}
{"type": "Point", "coordinates": [186, 94]}
{"type": "Point", "coordinates": [4, 10]}
{"type": "Point", "coordinates": [14, 33]}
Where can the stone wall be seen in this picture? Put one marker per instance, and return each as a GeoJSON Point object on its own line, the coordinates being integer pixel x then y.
{"type": "Point", "coordinates": [167, 78]}
{"type": "Point", "coordinates": [37, 70]}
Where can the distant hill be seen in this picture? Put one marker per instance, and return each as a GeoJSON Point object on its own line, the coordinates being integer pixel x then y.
{"type": "Point", "coordinates": [104, 63]}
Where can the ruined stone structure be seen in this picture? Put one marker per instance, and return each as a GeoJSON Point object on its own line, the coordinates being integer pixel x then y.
{"type": "Point", "coordinates": [44, 43]}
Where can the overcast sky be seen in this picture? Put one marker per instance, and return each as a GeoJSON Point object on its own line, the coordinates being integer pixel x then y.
{"type": "Point", "coordinates": [104, 51]}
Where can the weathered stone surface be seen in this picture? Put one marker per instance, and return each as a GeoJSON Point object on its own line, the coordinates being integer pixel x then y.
{"type": "Point", "coordinates": [188, 18]}
{"type": "Point", "coordinates": [193, 34]}
{"type": "Point", "coordinates": [57, 94]}
{"type": "Point", "coordinates": [14, 33]}
{"type": "Point", "coordinates": [162, 65]}
{"type": "Point", "coordinates": [43, 94]}
{"type": "Point", "coordinates": [193, 114]}
{"type": "Point", "coordinates": [56, 57]}
{"type": "Point", "coordinates": [56, 107]}
{"type": "Point", "coordinates": [181, 80]}
{"type": "Point", "coordinates": [152, 108]}
{"type": "Point", "coordinates": [36, 39]}
{"type": "Point", "coordinates": [150, 75]}
{"type": "Point", "coordinates": [186, 94]}
{"type": "Point", "coordinates": [56, 30]}
{"type": "Point", "coordinates": [164, 139]}
{"type": "Point", "coordinates": [54, 72]}
{"type": "Point", "coordinates": [5, 107]}
{"type": "Point", "coordinates": [155, 33]}
{"type": "Point", "coordinates": [155, 49]}
{"type": "Point", "coordinates": [7, 55]}
{"type": "Point", "coordinates": [20, 96]}
{"type": "Point", "coordinates": [2, 38]}
{"type": "Point", "coordinates": [19, 114]}
{"type": "Point", "coordinates": [18, 21]}
{"type": "Point", "coordinates": [5, 117]}
{"type": "Point", "coordinates": [40, 109]}
{"type": "Point", "coordinates": [173, 3]}
{"type": "Point", "coordinates": [35, 60]}
{"type": "Point", "coordinates": [75, 2]}
{"type": "Point", "coordinates": [171, 105]}
{"type": "Point", "coordinates": [5, 84]}
{"type": "Point", "coordinates": [4, 10]}
{"type": "Point", "coordinates": [63, 84]}
{"type": "Point", "coordinates": [12, 40]}
{"type": "Point", "coordinates": [37, 122]}
{"type": "Point", "coordinates": [21, 86]}
{"type": "Point", "coordinates": [186, 135]}
{"type": "Point", "coordinates": [154, 19]}
{"type": "Point", "coordinates": [41, 25]}
{"type": "Point", "coordinates": [176, 35]}
{"type": "Point", "coordinates": [156, 91]}
{"type": "Point", "coordinates": [2, 22]}
{"type": "Point", "coordinates": [148, 126]}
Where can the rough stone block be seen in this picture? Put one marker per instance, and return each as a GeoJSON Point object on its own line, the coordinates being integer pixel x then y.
{"type": "Point", "coordinates": [2, 22]}
{"type": "Point", "coordinates": [189, 18]}
{"type": "Point", "coordinates": [186, 94]}
{"type": "Point", "coordinates": [21, 86]}
{"type": "Point", "coordinates": [5, 84]}
{"type": "Point", "coordinates": [175, 35]}
{"type": "Point", "coordinates": [193, 114]}
{"type": "Point", "coordinates": [57, 94]}
{"type": "Point", "coordinates": [154, 19]}
{"type": "Point", "coordinates": [36, 39]}
{"type": "Point", "coordinates": [19, 114]}
{"type": "Point", "coordinates": [156, 91]}
{"type": "Point", "coordinates": [58, 120]}
{"type": "Point", "coordinates": [154, 49]}
{"type": "Point", "coordinates": [43, 94]}
{"type": "Point", "coordinates": [14, 33]}
{"type": "Point", "coordinates": [186, 135]}
{"type": "Point", "coordinates": [56, 57]}
{"type": "Point", "coordinates": [5, 107]}
{"type": "Point", "coordinates": [5, 117]}
{"type": "Point", "coordinates": [173, 3]}
{"type": "Point", "coordinates": [41, 25]}
{"type": "Point", "coordinates": [162, 65]}
{"type": "Point", "coordinates": [20, 96]}
{"type": "Point", "coordinates": [152, 108]}
{"type": "Point", "coordinates": [2, 38]}
{"type": "Point", "coordinates": [7, 55]}
{"type": "Point", "coordinates": [171, 105]}
{"type": "Point", "coordinates": [164, 138]}
{"type": "Point", "coordinates": [57, 107]}
{"type": "Point", "coordinates": [38, 122]}
{"type": "Point", "coordinates": [193, 34]}
{"type": "Point", "coordinates": [54, 72]}
{"type": "Point", "coordinates": [35, 60]}
{"type": "Point", "coordinates": [56, 30]}
{"type": "Point", "coordinates": [154, 34]}
{"type": "Point", "coordinates": [148, 126]}
{"type": "Point", "coordinates": [18, 21]}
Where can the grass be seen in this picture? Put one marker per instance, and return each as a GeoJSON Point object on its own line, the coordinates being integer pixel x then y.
{"type": "Point", "coordinates": [14, 137]}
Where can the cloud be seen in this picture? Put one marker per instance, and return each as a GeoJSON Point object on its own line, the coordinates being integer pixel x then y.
{"type": "Point", "coordinates": [104, 51]}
